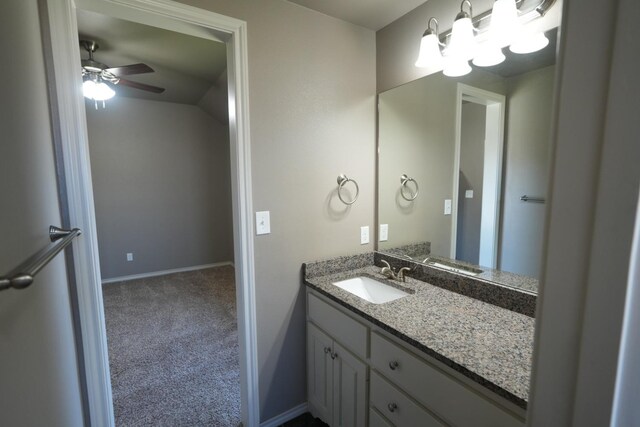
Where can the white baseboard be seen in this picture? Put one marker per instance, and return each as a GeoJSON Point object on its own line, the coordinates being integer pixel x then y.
{"type": "Point", "coordinates": [286, 416]}
{"type": "Point", "coordinates": [163, 272]}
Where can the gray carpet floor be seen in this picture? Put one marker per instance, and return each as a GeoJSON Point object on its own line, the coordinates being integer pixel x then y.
{"type": "Point", "coordinates": [173, 349]}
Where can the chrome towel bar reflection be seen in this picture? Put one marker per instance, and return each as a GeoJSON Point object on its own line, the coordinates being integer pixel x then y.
{"type": "Point", "coordinates": [526, 198]}
{"type": "Point", "coordinates": [404, 180]}
{"type": "Point", "coordinates": [22, 276]}
{"type": "Point", "coordinates": [342, 180]}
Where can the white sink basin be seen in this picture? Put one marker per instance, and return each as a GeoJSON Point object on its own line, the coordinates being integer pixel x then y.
{"type": "Point", "coordinates": [371, 290]}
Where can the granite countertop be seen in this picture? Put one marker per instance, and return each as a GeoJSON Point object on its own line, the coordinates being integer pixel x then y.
{"type": "Point", "coordinates": [491, 345]}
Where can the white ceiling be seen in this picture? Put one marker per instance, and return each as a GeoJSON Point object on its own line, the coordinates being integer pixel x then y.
{"type": "Point", "coordinates": [186, 66]}
{"type": "Point", "coordinates": [372, 14]}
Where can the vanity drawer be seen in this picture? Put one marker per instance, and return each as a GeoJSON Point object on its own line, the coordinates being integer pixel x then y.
{"type": "Point", "coordinates": [397, 407]}
{"type": "Point", "coordinates": [377, 420]}
{"type": "Point", "coordinates": [344, 329]}
{"type": "Point", "coordinates": [433, 388]}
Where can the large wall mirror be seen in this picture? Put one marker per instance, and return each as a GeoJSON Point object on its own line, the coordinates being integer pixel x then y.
{"type": "Point", "coordinates": [463, 166]}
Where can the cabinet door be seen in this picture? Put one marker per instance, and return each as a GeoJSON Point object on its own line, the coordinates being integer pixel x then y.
{"type": "Point", "coordinates": [319, 373]}
{"type": "Point", "coordinates": [349, 389]}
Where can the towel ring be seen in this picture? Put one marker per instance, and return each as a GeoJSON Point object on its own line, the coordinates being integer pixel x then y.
{"type": "Point", "coordinates": [342, 180]}
{"type": "Point", "coordinates": [404, 180]}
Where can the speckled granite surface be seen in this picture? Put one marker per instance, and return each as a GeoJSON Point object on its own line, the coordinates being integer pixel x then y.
{"type": "Point", "coordinates": [337, 265]}
{"type": "Point", "coordinates": [502, 278]}
{"type": "Point", "coordinates": [490, 345]}
{"type": "Point", "coordinates": [514, 299]}
{"type": "Point", "coordinates": [414, 252]}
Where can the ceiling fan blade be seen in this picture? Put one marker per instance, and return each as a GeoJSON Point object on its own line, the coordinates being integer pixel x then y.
{"type": "Point", "coordinates": [141, 86]}
{"type": "Point", "coordinates": [127, 70]}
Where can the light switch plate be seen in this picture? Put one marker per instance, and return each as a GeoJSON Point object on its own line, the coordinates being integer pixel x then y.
{"type": "Point", "coordinates": [384, 232]}
{"type": "Point", "coordinates": [468, 194]}
{"type": "Point", "coordinates": [263, 223]}
{"type": "Point", "coordinates": [447, 206]}
{"type": "Point", "coordinates": [129, 256]}
{"type": "Point", "coordinates": [364, 235]}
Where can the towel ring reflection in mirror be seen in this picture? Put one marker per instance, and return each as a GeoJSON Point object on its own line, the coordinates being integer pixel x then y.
{"type": "Point", "coordinates": [405, 180]}
{"type": "Point", "coordinates": [342, 181]}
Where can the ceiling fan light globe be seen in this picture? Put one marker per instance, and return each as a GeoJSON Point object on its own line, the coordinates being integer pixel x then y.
{"type": "Point", "coordinates": [103, 92]}
{"type": "Point", "coordinates": [89, 89]}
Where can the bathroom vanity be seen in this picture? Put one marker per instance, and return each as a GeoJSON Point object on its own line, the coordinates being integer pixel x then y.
{"type": "Point", "coordinates": [433, 357]}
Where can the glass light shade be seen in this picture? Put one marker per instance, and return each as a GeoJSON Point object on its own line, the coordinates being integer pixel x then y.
{"type": "Point", "coordinates": [97, 91]}
{"type": "Point", "coordinates": [529, 43]}
{"type": "Point", "coordinates": [463, 41]}
{"type": "Point", "coordinates": [505, 26]}
{"type": "Point", "coordinates": [88, 88]}
{"type": "Point", "coordinates": [430, 55]}
{"type": "Point", "coordinates": [456, 67]}
{"type": "Point", "coordinates": [488, 54]}
{"type": "Point", "coordinates": [102, 92]}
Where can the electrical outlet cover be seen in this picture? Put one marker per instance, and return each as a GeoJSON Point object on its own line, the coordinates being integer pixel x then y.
{"type": "Point", "coordinates": [364, 235]}
{"type": "Point", "coordinates": [384, 232]}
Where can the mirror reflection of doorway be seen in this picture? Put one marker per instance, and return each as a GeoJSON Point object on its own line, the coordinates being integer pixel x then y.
{"type": "Point", "coordinates": [478, 159]}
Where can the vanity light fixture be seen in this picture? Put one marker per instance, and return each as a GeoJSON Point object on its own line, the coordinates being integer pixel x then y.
{"type": "Point", "coordinates": [506, 28]}
{"type": "Point", "coordinates": [430, 54]}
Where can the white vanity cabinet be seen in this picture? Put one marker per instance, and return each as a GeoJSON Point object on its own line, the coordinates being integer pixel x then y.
{"type": "Point", "coordinates": [336, 379]}
{"type": "Point", "coordinates": [446, 398]}
{"type": "Point", "coordinates": [359, 375]}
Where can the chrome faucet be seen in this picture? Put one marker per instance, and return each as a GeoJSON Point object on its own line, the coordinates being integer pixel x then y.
{"type": "Point", "coordinates": [388, 271]}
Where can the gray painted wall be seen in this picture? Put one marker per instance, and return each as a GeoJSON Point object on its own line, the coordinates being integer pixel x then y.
{"type": "Point", "coordinates": [39, 381]}
{"type": "Point", "coordinates": [161, 181]}
{"type": "Point", "coordinates": [472, 135]}
{"type": "Point", "coordinates": [526, 170]}
{"type": "Point", "coordinates": [312, 106]}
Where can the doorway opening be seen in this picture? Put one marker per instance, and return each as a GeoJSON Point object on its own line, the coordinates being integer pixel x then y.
{"type": "Point", "coordinates": [62, 51]}
{"type": "Point", "coordinates": [476, 184]}
{"type": "Point", "coordinates": [160, 162]}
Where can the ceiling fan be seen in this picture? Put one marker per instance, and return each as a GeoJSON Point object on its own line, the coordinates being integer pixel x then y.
{"type": "Point", "coordinates": [96, 75]}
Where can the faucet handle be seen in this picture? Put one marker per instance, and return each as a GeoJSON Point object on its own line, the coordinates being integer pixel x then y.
{"type": "Point", "coordinates": [401, 273]}
{"type": "Point", "coordinates": [386, 264]}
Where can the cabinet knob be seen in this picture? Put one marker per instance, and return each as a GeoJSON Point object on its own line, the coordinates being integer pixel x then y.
{"type": "Point", "coordinates": [392, 407]}
{"type": "Point", "coordinates": [334, 355]}
{"type": "Point", "coordinates": [393, 365]}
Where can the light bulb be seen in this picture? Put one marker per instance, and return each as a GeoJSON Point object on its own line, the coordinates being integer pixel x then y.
{"type": "Point", "coordinates": [455, 66]}
{"type": "Point", "coordinates": [430, 55]}
{"type": "Point", "coordinates": [505, 26]}
{"type": "Point", "coordinates": [463, 41]}
{"type": "Point", "coordinates": [489, 54]}
{"type": "Point", "coordinates": [103, 92]}
{"type": "Point", "coordinates": [529, 43]}
{"type": "Point", "coordinates": [88, 88]}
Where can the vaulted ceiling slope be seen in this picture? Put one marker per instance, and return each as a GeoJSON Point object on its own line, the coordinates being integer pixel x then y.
{"type": "Point", "coordinates": [372, 14]}
{"type": "Point", "coordinates": [186, 66]}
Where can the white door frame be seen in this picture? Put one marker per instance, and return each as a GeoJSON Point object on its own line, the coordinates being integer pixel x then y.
{"type": "Point", "coordinates": [60, 28]}
{"type": "Point", "coordinates": [493, 152]}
